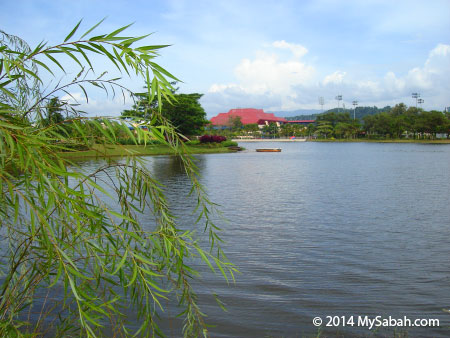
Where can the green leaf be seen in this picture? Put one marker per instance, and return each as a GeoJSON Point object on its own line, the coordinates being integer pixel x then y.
{"type": "Point", "coordinates": [67, 52]}
{"type": "Point", "coordinates": [85, 93]}
{"type": "Point", "coordinates": [84, 55]}
{"type": "Point", "coordinates": [43, 65]}
{"type": "Point", "coordinates": [119, 215]}
{"type": "Point", "coordinates": [58, 275]}
{"type": "Point", "coordinates": [92, 28]}
{"type": "Point", "coordinates": [151, 48]}
{"type": "Point", "coordinates": [165, 72]}
{"type": "Point", "coordinates": [47, 54]}
{"type": "Point", "coordinates": [129, 42]}
{"type": "Point", "coordinates": [117, 31]}
{"type": "Point", "coordinates": [205, 258]}
{"type": "Point", "coordinates": [7, 92]}
{"type": "Point", "coordinates": [74, 288]}
{"type": "Point", "coordinates": [121, 263]}
{"type": "Point", "coordinates": [73, 31]}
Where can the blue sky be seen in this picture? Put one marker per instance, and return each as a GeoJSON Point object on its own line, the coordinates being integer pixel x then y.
{"type": "Point", "coordinates": [275, 55]}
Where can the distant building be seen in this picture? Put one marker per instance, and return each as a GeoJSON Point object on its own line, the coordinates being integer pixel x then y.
{"type": "Point", "coordinates": [248, 116]}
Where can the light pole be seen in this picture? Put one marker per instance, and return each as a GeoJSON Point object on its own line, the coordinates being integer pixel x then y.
{"type": "Point", "coordinates": [338, 98]}
{"type": "Point", "coordinates": [321, 102]}
{"type": "Point", "coordinates": [355, 103]}
{"type": "Point", "coordinates": [420, 101]}
{"type": "Point", "coordinates": [415, 96]}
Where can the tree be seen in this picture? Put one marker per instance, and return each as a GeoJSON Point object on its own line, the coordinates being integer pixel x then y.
{"type": "Point", "coordinates": [235, 123]}
{"type": "Point", "coordinates": [341, 129]}
{"type": "Point", "coordinates": [251, 128]}
{"type": "Point", "coordinates": [324, 128]}
{"type": "Point", "coordinates": [54, 109]}
{"type": "Point", "coordinates": [333, 118]}
{"type": "Point", "coordinates": [431, 122]}
{"type": "Point", "coordinates": [59, 233]}
{"type": "Point", "coordinates": [183, 111]}
{"type": "Point", "coordinates": [271, 129]}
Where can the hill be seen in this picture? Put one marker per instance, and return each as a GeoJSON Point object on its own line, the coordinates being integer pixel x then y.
{"type": "Point", "coordinates": [304, 113]}
{"type": "Point", "coordinates": [311, 114]}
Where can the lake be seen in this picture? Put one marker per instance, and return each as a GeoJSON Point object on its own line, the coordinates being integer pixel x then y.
{"type": "Point", "coordinates": [325, 229]}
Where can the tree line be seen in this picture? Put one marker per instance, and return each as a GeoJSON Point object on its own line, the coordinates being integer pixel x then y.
{"type": "Point", "coordinates": [402, 121]}
{"type": "Point", "coordinates": [360, 112]}
{"type": "Point", "coordinates": [387, 123]}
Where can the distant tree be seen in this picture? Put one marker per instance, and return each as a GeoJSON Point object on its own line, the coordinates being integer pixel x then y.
{"type": "Point", "coordinates": [251, 127]}
{"type": "Point", "coordinates": [334, 118]}
{"type": "Point", "coordinates": [287, 130]}
{"type": "Point", "coordinates": [141, 108]}
{"type": "Point", "coordinates": [184, 111]}
{"type": "Point", "coordinates": [53, 111]}
{"type": "Point", "coordinates": [408, 120]}
{"type": "Point", "coordinates": [324, 128]}
{"type": "Point", "coordinates": [369, 124]}
{"type": "Point", "coordinates": [310, 129]}
{"type": "Point", "coordinates": [431, 122]}
{"type": "Point", "coordinates": [271, 129]}
{"type": "Point", "coordinates": [341, 129]}
{"type": "Point", "coordinates": [360, 113]}
{"type": "Point", "coordinates": [235, 123]}
{"type": "Point", "coordinates": [399, 109]}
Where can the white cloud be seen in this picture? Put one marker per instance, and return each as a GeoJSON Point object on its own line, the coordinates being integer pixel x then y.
{"type": "Point", "coordinates": [267, 81]}
{"type": "Point", "coordinates": [297, 50]}
{"type": "Point", "coordinates": [268, 72]}
{"type": "Point", "coordinates": [440, 50]}
{"type": "Point", "coordinates": [99, 107]}
{"type": "Point", "coordinates": [336, 78]}
{"type": "Point", "coordinates": [393, 84]}
{"type": "Point", "coordinates": [436, 70]}
{"type": "Point", "coordinates": [272, 83]}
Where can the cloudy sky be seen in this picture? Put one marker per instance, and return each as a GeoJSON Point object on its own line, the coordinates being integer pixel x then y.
{"type": "Point", "coordinates": [275, 55]}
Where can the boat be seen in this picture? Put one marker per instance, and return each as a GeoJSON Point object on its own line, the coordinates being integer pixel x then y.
{"type": "Point", "coordinates": [268, 150]}
{"type": "Point", "coordinates": [236, 148]}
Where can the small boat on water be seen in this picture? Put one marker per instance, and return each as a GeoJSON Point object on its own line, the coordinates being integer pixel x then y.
{"type": "Point", "coordinates": [268, 150]}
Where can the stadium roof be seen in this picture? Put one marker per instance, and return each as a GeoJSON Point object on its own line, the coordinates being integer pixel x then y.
{"type": "Point", "coordinates": [247, 115]}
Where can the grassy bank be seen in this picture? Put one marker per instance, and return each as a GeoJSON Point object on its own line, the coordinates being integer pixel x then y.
{"type": "Point", "coordinates": [140, 150]}
{"type": "Point", "coordinates": [442, 141]}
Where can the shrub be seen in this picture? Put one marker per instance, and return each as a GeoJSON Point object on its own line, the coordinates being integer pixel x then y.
{"type": "Point", "coordinates": [229, 143]}
{"type": "Point", "coordinates": [212, 139]}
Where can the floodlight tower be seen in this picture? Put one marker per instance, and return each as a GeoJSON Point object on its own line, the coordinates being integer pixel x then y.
{"type": "Point", "coordinates": [338, 98]}
{"type": "Point", "coordinates": [355, 103]}
{"type": "Point", "coordinates": [420, 101]}
{"type": "Point", "coordinates": [416, 96]}
{"type": "Point", "coordinates": [321, 102]}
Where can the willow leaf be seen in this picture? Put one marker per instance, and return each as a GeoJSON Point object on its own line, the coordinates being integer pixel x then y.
{"type": "Point", "coordinates": [93, 27]}
{"type": "Point", "coordinates": [73, 31]}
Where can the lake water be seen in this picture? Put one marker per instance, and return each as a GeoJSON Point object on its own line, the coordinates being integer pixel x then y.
{"type": "Point", "coordinates": [325, 229]}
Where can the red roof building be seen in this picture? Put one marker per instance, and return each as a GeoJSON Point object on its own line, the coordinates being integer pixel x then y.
{"type": "Point", "coordinates": [248, 116]}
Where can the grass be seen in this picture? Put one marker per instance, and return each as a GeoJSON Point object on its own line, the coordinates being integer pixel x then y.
{"type": "Point", "coordinates": [100, 150]}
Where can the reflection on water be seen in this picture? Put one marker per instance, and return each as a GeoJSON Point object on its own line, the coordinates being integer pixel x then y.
{"type": "Point", "coordinates": [325, 229]}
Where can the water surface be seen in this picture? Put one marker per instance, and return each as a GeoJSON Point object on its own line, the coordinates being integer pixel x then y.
{"type": "Point", "coordinates": [339, 229]}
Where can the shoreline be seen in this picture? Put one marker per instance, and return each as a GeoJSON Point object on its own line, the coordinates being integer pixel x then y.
{"type": "Point", "coordinates": [270, 140]}
{"type": "Point", "coordinates": [101, 151]}
{"type": "Point", "coordinates": [440, 141]}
